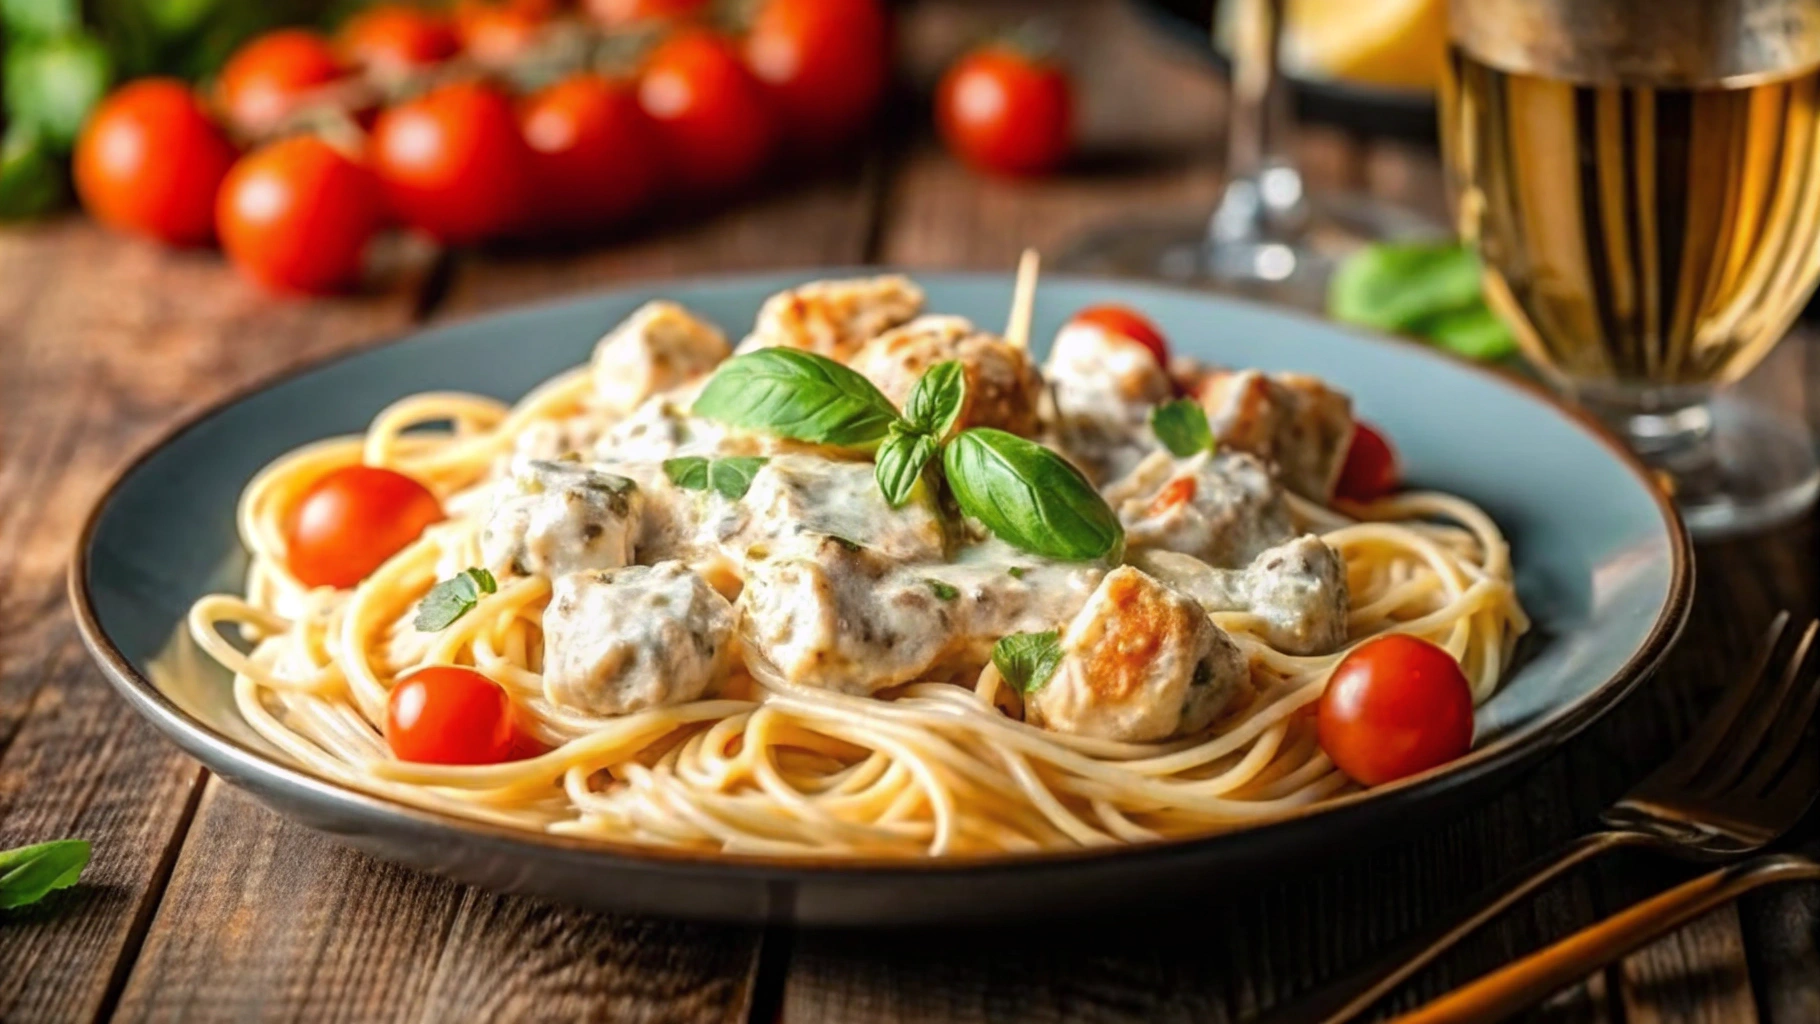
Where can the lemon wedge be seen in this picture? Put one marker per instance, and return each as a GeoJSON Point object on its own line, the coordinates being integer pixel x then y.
{"type": "Point", "coordinates": [1398, 44]}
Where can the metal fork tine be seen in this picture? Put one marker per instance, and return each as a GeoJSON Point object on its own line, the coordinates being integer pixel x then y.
{"type": "Point", "coordinates": [1745, 740]}
{"type": "Point", "coordinates": [1791, 730]}
{"type": "Point", "coordinates": [1712, 733]}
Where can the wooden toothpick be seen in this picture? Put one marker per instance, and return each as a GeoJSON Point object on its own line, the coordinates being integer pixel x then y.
{"type": "Point", "coordinates": [1023, 299]}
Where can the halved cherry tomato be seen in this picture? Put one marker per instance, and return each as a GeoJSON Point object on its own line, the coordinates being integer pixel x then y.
{"type": "Point", "coordinates": [594, 153]}
{"type": "Point", "coordinates": [150, 161]}
{"type": "Point", "coordinates": [445, 714]}
{"type": "Point", "coordinates": [453, 162]}
{"type": "Point", "coordinates": [1370, 471]}
{"type": "Point", "coordinates": [1394, 707]}
{"type": "Point", "coordinates": [1004, 112]}
{"type": "Point", "coordinates": [353, 519]}
{"type": "Point", "coordinates": [717, 130]}
{"type": "Point", "coordinates": [620, 13]}
{"type": "Point", "coordinates": [825, 64]}
{"type": "Point", "coordinates": [1123, 322]}
{"type": "Point", "coordinates": [297, 215]}
{"type": "Point", "coordinates": [497, 34]}
{"type": "Point", "coordinates": [391, 39]}
{"type": "Point", "coordinates": [265, 79]}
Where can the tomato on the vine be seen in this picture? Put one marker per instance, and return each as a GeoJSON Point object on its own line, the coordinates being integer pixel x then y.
{"type": "Point", "coordinates": [453, 162]}
{"type": "Point", "coordinates": [297, 215]}
{"type": "Point", "coordinates": [1370, 471]}
{"type": "Point", "coordinates": [1395, 706]}
{"type": "Point", "coordinates": [496, 34]}
{"type": "Point", "coordinates": [594, 153]}
{"type": "Point", "coordinates": [1125, 322]}
{"type": "Point", "coordinates": [447, 714]}
{"type": "Point", "coordinates": [391, 39]}
{"type": "Point", "coordinates": [266, 78]}
{"type": "Point", "coordinates": [620, 13]}
{"type": "Point", "coordinates": [150, 161]}
{"type": "Point", "coordinates": [351, 520]}
{"type": "Point", "coordinates": [1005, 112]}
{"type": "Point", "coordinates": [715, 126]}
{"type": "Point", "coordinates": [825, 64]}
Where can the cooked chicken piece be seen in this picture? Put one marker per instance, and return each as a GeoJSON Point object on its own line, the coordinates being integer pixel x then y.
{"type": "Point", "coordinates": [1003, 388]}
{"type": "Point", "coordinates": [795, 496]}
{"type": "Point", "coordinates": [560, 517]}
{"type": "Point", "coordinates": [1222, 508]}
{"type": "Point", "coordinates": [546, 440]}
{"type": "Point", "coordinates": [1291, 420]}
{"type": "Point", "coordinates": [834, 318]}
{"type": "Point", "coordinates": [1104, 388]}
{"type": "Point", "coordinates": [1297, 588]}
{"type": "Point", "coordinates": [622, 640]}
{"type": "Point", "coordinates": [660, 346]}
{"type": "Point", "coordinates": [1139, 663]}
{"type": "Point", "coordinates": [661, 428]}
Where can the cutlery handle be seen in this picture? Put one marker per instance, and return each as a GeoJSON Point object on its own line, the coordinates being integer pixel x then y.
{"type": "Point", "coordinates": [1529, 980]}
{"type": "Point", "coordinates": [1351, 994]}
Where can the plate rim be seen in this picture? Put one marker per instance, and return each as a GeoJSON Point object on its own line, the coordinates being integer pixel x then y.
{"type": "Point", "coordinates": [208, 746]}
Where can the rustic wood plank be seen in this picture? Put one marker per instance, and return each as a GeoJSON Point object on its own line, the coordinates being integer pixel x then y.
{"type": "Point", "coordinates": [102, 340]}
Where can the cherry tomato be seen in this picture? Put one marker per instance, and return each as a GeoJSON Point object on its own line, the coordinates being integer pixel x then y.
{"type": "Point", "coordinates": [1370, 471]}
{"type": "Point", "coordinates": [715, 126]}
{"type": "Point", "coordinates": [150, 160]}
{"type": "Point", "coordinates": [1123, 322]}
{"type": "Point", "coordinates": [392, 39]}
{"type": "Point", "coordinates": [444, 714]}
{"type": "Point", "coordinates": [497, 34]}
{"type": "Point", "coordinates": [1395, 706]}
{"type": "Point", "coordinates": [353, 519]}
{"type": "Point", "coordinates": [453, 162]}
{"type": "Point", "coordinates": [594, 153]}
{"type": "Point", "coordinates": [297, 215]}
{"type": "Point", "coordinates": [824, 62]}
{"type": "Point", "coordinates": [620, 13]}
{"type": "Point", "coordinates": [1003, 112]}
{"type": "Point", "coordinates": [266, 78]}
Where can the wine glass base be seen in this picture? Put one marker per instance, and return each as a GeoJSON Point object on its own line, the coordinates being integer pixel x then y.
{"type": "Point", "coordinates": [1753, 471]}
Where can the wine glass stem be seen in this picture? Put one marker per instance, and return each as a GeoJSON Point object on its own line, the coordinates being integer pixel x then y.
{"type": "Point", "coordinates": [1264, 199]}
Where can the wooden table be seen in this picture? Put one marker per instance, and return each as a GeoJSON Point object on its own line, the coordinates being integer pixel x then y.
{"type": "Point", "coordinates": [202, 905]}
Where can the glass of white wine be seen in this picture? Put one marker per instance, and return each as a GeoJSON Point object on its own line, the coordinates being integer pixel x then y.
{"type": "Point", "coordinates": [1642, 181]}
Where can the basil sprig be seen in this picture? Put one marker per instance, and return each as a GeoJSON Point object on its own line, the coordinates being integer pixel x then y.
{"type": "Point", "coordinates": [936, 401]}
{"type": "Point", "coordinates": [1027, 660]}
{"type": "Point", "coordinates": [1030, 497]}
{"type": "Point", "coordinates": [1432, 291]}
{"type": "Point", "coordinates": [901, 460]}
{"type": "Point", "coordinates": [30, 873]}
{"type": "Point", "coordinates": [799, 395]}
{"type": "Point", "coordinates": [1181, 424]}
{"type": "Point", "coordinates": [731, 476]}
{"type": "Point", "coordinates": [453, 598]}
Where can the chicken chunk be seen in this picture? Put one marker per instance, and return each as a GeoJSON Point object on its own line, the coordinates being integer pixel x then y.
{"type": "Point", "coordinates": [1297, 589]}
{"type": "Point", "coordinates": [560, 517]}
{"type": "Point", "coordinates": [834, 318]}
{"type": "Point", "coordinates": [622, 640]}
{"type": "Point", "coordinates": [661, 428]}
{"type": "Point", "coordinates": [1222, 508]}
{"type": "Point", "coordinates": [1291, 420]}
{"type": "Point", "coordinates": [1139, 663]}
{"type": "Point", "coordinates": [807, 496]}
{"type": "Point", "coordinates": [1104, 388]}
{"type": "Point", "coordinates": [1003, 387]}
{"type": "Point", "coordinates": [659, 347]}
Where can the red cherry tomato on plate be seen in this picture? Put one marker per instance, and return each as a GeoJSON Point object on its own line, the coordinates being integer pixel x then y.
{"type": "Point", "coordinates": [1005, 113]}
{"type": "Point", "coordinates": [594, 153]}
{"type": "Point", "coordinates": [711, 114]}
{"type": "Point", "coordinates": [445, 714]}
{"type": "Point", "coordinates": [266, 78]}
{"type": "Point", "coordinates": [825, 64]}
{"type": "Point", "coordinates": [150, 161]}
{"type": "Point", "coordinates": [1370, 471]}
{"type": "Point", "coordinates": [391, 39]}
{"type": "Point", "coordinates": [297, 215]}
{"type": "Point", "coordinates": [1394, 707]}
{"type": "Point", "coordinates": [1123, 322]}
{"type": "Point", "coordinates": [453, 162]}
{"type": "Point", "coordinates": [353, 519]}
{"type": "Point", "coordinates": [620, 13]}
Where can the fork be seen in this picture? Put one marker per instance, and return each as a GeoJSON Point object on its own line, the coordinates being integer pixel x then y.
{"type": "Point", "coordinates": [1742, 780]}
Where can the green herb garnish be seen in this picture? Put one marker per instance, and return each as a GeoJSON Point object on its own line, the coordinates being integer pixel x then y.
{"type": "Point", "coordinates": [936, 401]}
{"type": "Point", "coordinates": [1017, 572]}
{"type": "Point", "coordinates": [901, 460]}
{"type": "Point", "coordinates": [1030, 497]}
{"type": "Point", "coordinates": [1430, 291]}
{"type": "Point", "coordinates": [29, 873]}
{"type": "Point", "coordinates": [731, 476]}
{"type": "Point", "coordinates": [1027, 660]}
{"type": "Point", "coordinates": [798, 395]}
{"type": "Point", "coordinates": [1181, 424]}
{"type": "Point", "coordinates": [453, 598]}
{"type": "Point", "coordinates": [945, 591]}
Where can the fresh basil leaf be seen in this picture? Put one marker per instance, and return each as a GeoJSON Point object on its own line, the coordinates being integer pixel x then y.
{"type": "Point", "coordinates": [1394, 286]}
{"type": "Point", "coordinates": [900, 464]}
{"type": "Point", "coordinates": [1474, 332]}
{"type": "Point", "coordinates": [54, 83]}
{"type": "Point", "coordinates": [1017, 572]}
{"type": "Point", "coordinates": [732, 476]}
{"type": "Point", "coordinates": [31, 178]}
{"type": "Point", "coordinates": [689, 472]}
{"type": "Point", "coordinates": [29, 873]}
{"type": "Point", "coordinates": [942, 589]}
{"type": "Point", "coordinates": [1029, 496]}
{"type": "Point", "coordinates": [936, 401]}
{"type": "Point", "coordinates": [796, 394]}
{"type": "Point", "coordinates": [453, 598]}
{"type": "Point", "coordinates": [1181, 424]}
{"type": "Point", "coordinates": [37, 19]}
{"type": "Point", "coordinates": [1027, 660]}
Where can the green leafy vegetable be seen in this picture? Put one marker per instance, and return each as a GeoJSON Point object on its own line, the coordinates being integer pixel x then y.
{"type": "Point", "coordinates": [1029, 496]}
{"type": "Point", "coordinates": [52, 84]}
{"type": "Point", "coordinates": [31, 182]}
{"type": "Point", "coordinates": [798, 395]}
{"type": "Point", "coordinates": [901, 460]}
{"type": "Point", "coordinates": [943, 590]}
{"type": "Point", "coordinates": [453, 598]}
{"type": "Point", "coordinates": [689, 473]}
{"type": "Point", "coordinates": [37, 19]}
{"type": "Point", "coordinates": [1427, 290]}
{"type": "Point", "coordinates": [936, 401]}
{"type": "Point", "coordinates": [731, 476]}
{"type": "Point", "coordinates": [1027, 660]}
{"type": "Point", "coordinates": [1017, 572]}
{"type": "Point", "coordinates": [1181, 425]}
{"type": "Point", "coordinates": [29, 873]}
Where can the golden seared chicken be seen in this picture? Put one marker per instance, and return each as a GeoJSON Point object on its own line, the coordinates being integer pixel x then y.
{"type": "Point", "coordinates": [1004, 389]}
{"type": "Point", "coordinates": [1291, 420]}
{"type": "Point", "coordinates": [659, 347]}
{"type": "Point", "coordinates": [1297, 590]}
{"type": "Point", "coordinates": [1221, 507]}
{"type": "Point", "coordinates": [834, 318]}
